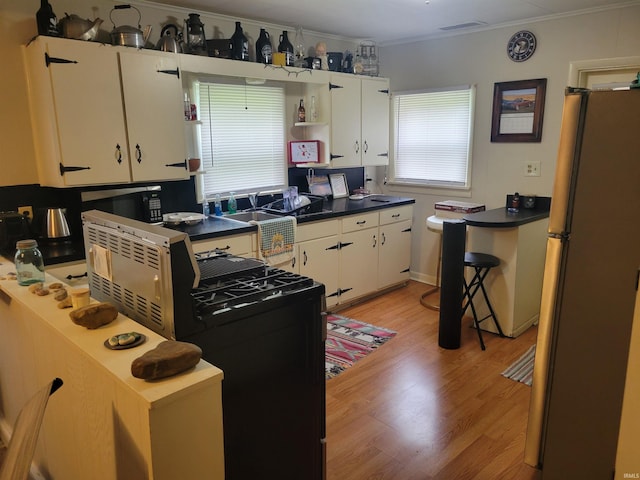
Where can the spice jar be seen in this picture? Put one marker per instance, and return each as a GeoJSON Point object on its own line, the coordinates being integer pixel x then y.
{"type": "Point", "coordinates": [29, 262]}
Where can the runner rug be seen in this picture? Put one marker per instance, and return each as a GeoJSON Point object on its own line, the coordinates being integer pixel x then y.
{"type": "Point", "coordinates": [522, 369]}
{"type": "Point", "coordinates": [349, 340]}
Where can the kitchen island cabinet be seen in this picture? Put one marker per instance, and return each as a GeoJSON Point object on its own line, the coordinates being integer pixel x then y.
{"type": "Point", "coordinates": [104, 423]}
{"type": "Point", "coordinates": [103, 114]}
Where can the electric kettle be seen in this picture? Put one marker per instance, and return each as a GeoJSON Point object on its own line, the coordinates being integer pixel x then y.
{"type": "Point", "coordinates": [55, 224]}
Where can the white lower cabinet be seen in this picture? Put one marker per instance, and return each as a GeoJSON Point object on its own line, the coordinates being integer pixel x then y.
{"type": "Point", "coordinates": [358, 264]}
{"type": "Point", "coordinates": [319, 259]}
{"type": "Point", "coordinates": [394, 250]}
{"type": "Point", "coordinates": [353, 256]}
{"type": "Point", "coordinates": [394, 253]}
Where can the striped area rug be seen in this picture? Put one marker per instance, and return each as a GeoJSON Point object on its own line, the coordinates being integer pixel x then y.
{"type": "Point", "coordinates": [348, 341]}
{"type": "Point", "coordinates": [522, 369]}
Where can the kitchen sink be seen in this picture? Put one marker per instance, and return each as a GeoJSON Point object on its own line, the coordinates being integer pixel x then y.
{"type": "Point", "coordinates": [249, 216]}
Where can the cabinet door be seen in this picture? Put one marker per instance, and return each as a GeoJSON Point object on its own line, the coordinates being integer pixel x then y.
{"type": "Point", "coordinates": [394, 253]}
{"type": "Point", "coordinates": [318, 259]}
{"type": "Point", "coordinates": [375, 121]}
{"type": "Point", "coordinates": [155, 116]}
{"type": "Point", "coordinates": [358, 263]}
{"type": "Point", "coordinates": [88, 113]}
{"type": "Point", "coordinates": [345, 121]}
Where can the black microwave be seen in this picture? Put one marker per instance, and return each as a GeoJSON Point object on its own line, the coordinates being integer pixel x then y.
{"type": "Point", "coordinates": [137, 203]}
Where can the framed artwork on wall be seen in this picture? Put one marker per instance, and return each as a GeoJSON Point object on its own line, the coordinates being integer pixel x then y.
{"type": "Point", "coordinates": [518, 109]}
{"type": "Point", "coordinates": [306, 151]}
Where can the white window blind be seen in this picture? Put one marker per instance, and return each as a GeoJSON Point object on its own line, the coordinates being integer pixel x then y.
{"type": "Point", "coordinates": [433, 131]}
{"type": "Point", "coordinates": [242, 137]}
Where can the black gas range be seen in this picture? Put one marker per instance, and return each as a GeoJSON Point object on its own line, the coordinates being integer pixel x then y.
{"type": "Point", "coordinates": [264, 327]}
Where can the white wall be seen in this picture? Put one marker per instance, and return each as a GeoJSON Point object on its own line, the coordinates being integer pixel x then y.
{"type": "Point", "coordinates": [481, 59]}
{"type": "Point", "coordinates": [18, 26]}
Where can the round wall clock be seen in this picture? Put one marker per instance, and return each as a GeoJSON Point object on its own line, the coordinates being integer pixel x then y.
{"type": "Point", "coordinates": [521, 46]}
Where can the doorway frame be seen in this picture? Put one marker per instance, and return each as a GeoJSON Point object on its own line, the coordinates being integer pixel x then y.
{"type": "Point", "coordinates": [579, 69]}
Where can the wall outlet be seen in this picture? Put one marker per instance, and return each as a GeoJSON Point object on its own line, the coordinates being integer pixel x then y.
{"type": "Point", "coordinates": [532, 169]}
{"type": "Point", "coordinates": [28, 211]}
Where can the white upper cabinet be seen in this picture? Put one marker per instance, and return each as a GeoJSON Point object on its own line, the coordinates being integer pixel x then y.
{"type": "Point", "coordinates": [96, 110]}
{"type": "Point", "coordinates": [375, 121]}
{"type": "Point", "coordinates": [359, 121]}
{"type": "Point", "coordinates": [154, 109]}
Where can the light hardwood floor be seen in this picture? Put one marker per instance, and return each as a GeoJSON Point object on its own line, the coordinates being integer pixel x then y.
{"type": "Point", "coordinates": [414, 411]}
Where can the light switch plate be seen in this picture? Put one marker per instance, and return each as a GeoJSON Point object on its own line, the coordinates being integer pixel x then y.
{"type": "Point", "coordinates": [532, 169]}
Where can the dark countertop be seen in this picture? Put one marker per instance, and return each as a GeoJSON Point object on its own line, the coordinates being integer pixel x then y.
{"type": "Point", "coordinates": [502, 218]}
{"type": "Point", "coordinates": [220, 226]}
{"type": "Point", "coordinates": [212, 227]}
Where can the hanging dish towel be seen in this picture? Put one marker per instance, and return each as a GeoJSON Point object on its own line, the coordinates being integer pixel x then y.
{"type": "Point", "coordinates": [276, 239]}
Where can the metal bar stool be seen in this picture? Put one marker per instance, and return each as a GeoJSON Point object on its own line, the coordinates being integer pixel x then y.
{"type": "Point", "coordinates": [482, 263]}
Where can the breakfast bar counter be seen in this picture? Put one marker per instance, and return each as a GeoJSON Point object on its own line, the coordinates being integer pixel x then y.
{"type": "Point", "coordinates": [518, 239]}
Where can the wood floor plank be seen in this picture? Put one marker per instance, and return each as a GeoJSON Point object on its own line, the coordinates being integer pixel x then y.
{"type": "Point", "coordinates": [412, 410]}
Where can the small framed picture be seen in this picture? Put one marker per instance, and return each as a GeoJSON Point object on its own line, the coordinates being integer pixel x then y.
{"type": "Point", "coordinates": [339, 187]}
{"type": "Point", "coordinates": [305, 151]}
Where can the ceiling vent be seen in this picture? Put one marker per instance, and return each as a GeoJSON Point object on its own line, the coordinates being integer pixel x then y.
{"type": "Point", "coordinates": [463, 25]}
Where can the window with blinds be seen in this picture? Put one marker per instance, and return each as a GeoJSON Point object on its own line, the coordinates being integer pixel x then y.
{"type": "Point", "coordinates": [433, 131]}
{"type": "Point", "coordinates": [242, 137]}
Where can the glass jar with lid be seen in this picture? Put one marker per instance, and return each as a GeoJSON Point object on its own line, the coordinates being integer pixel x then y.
{"type": "Point", "coordinates": [29, 262]}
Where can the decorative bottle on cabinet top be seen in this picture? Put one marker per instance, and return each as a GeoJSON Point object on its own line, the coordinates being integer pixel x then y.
{"type": "Point", "coordinates": [286, 47]}
{"type": "Point", "coordinates": [46, 20]}
{"type": "Point", "coordinates": [239, 44]}
{"type": "Point", "coordinates": [302, 115]}
{"type": "Point", "coordinates": [264, 50]}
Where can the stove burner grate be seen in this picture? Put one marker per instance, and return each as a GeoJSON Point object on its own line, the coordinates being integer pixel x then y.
{"type": "Point", "coordinates": [217, 295]}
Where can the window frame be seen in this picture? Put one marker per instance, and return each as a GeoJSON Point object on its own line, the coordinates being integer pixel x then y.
{"type": "Point", "coordinates": [200, 183]}
{"type": "Point", "coordinates": [418, 186]}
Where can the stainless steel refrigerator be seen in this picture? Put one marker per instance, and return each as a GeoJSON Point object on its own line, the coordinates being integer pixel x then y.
{"type": "Point", "coordinates": [589, 288]}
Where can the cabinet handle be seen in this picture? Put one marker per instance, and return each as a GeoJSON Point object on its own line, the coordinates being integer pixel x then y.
{"type": "Point", "coordinates": [395, 215]}
{"type": "Point", "coordinates": [49, 60]}
{"type": "Point", "coordinates": [335, 156]}
{"type": "Point", "coordinates": [365, 147]}
{"type": "Point", "coordinates": [406, 230]}
{"type": "Point", "coordinates": [384, 239]}
{"type": "Point", "coordinates": [118, 153]}
{"type": "Point", "coordinates": [334, 247]}
{"type": "Point", "coordinates": [361, 222]}
{"type": "Point", "coordinates": [406, 270]}
{"type": "Point", "coordinates": [293, 262]}
{"type": "Point", "coordinates": [304, 254]}
{"type": "Point", "coordinates": [138, 153]}
{"type": "Point", "coordinates": [178, 164]}
{"type": "Point", "coordinates": [375, 242]}
{"type": "Point", "coordinates": [342, 245]}
{"type": "Point", "coordinates": [175, 72]}
{"type": "Point", "coordinates": [332, 86]}
{"type": "Point", "coordinates": [64, 169]}
{"type": "Point", "coordinates": [385, 154]}
{"type": "Point", "coordinates": [357, 147]}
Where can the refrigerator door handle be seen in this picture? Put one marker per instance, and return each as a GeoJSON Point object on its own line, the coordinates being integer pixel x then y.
{"type": "Point", "coordinates": [544, 352]}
